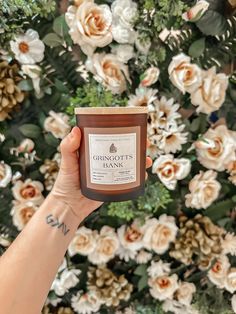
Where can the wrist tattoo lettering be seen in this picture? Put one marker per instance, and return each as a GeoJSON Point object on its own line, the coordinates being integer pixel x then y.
{"type": "Point", "coordinates": [54, 222]}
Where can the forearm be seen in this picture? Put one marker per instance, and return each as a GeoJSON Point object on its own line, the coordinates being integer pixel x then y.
{"type": "Point", "coordinates": [28, 267]}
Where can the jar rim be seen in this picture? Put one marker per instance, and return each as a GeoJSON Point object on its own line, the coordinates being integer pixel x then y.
{"type": "Point", "coordinates": [111, 110]}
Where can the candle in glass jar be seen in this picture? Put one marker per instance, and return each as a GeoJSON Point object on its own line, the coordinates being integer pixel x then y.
{"type": "Point", "coordinates": [112, 152]}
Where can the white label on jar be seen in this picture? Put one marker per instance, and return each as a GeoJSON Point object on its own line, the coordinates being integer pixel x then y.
{"type": "Point", "coordinates": [112, 158]}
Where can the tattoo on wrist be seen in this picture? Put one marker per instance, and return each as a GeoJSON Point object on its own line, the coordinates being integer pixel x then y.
{"type": "Point", "coordinates": [54, 222]}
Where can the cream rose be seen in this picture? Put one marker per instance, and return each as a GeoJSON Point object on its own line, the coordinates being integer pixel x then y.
{"type": "Point", "coordinates": [170, 169]}
{"type": "Point", "coordinates": [26, 146]}
{"type": "Point", "coordinates": [90, 25]}
{"type": "Point", "coordinates": [57, 124]}
{"type": "Point", "coordinates": [231, 169]}
{"type": "Point", "coordinates": [5, 174]}
{"type": "Point", "coordinates": [217, 148]}
{"type": "Point", "coordinates": [84, 242]}
{"type": "Point", "coordinates": [68, 279]}
{"type": "Point", "coordinates": [184, 293]}
{"type": "Point", "coordinates": [106, 247]}
{"type": "Point", "coordinates": [22, 213]}
{"type": "Point", "coordinates": [163, 287]}
{"type": "Point", "coordinates": [86, 303]}
{"type": "Point", "coordinates": [123, 52]}
{"type": "Point", "coordinates": [204, 190]}
{"type": "Point", "coordinates": [185, 76]}
{"type": "Point", "coordinates": [230, 280]}
{"type": "Point", "coordinates": [131, 237]}
{"type": "Point", "coordinates": [210, 95]}
{"type": "Point", "coordinates": [197, 11]}
{"type": "Point", "coordinates": [28, 191]}
{"type": "Point", "coordinates": [150, 76]}
{"type": "Point", "coordinates": [218, 271]}
{"type": "Point", "coordinates": [109, 71]}
{"type": "Point", "coordinates": [160, 233]}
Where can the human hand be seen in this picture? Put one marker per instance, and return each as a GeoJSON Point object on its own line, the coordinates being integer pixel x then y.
{"type": "Point", "coordinates": [67, 185]}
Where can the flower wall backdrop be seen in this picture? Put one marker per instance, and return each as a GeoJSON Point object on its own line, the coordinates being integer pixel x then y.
{"type": "Point", "coordinates": [174, 249]}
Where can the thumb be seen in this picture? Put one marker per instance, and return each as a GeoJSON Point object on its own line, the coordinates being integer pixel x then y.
{"type": "Point", "coordinates": [69, 147]}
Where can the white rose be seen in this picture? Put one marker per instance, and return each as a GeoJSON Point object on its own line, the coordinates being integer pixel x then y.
{"type": "Point", "coordinates": [233, 303]}
{"type": "Point", "coordinates": [5, 174]}
{"type": "Point", "coordinates": [185, 76]}
{"type": "Point", "coordinates": [123, 52]}
{"type": "Point", "coordinates": [150, 76]}
{"type": "Point", "coordinates": [204, 190]}
{"type": "Point", "coordinates": [163, 287]}
{"type": "Point", "coordinates": [160, 233]}
{"type": "Point", "coordinates": [84, 242]}
{"type": "Point", "coordinates": [124, 12]}
{"type": "Point", "coordinates": [28, 48]}
{"type": "Point", "coordinates": [217, 149]}
{"type": "Point", "coordinates": [210, 95]}
{"type": "Point", "coordinates": [90, 25]}
{"type": "Point", "coordinates": [34, 72]}
{"type": "Point", "coordinates": [67, 280]}
{"type": "Point", "coordinates": [131, 237]}
{"type": "Point", "coordinates": [28, 191]}
{"type": "Point", "coordinates": [109, 71]}
{"type": "Point", "coordinates": [57, 124]}
{"type": "Point", "coordinates": [106, 247]}
{"type": "Point", "coordinates": [87, 303]}
{"type": "Point", "coordinates": [22, 213]}
{"type": "Point", "coordinates": [123, 35]}
{"type": "Point", "coordinates": [184, 293]}
{"type": "Point", "coordinates": [197, 11]}
{"type": "Point", "coordinates": [218, 271]}
{"type": "Point", "coordinates": [170, 169]}
{"type": "Point", "coordinates": [26, 146]}
{"type": "Point", "coordinates": [158, 269]}
{"type": "Point", "coordinates": [230, 280]}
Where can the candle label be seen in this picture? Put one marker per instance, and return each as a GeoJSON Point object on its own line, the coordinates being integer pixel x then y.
{"type": "Point", "coordinates": [112, 155]}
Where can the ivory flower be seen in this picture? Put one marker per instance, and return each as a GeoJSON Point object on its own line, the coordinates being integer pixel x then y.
{"type": "Point", "coordinates": [159, 233]}
{"type": "Point", "coordinates": [22, 213]}
{"type": "Point", "coordinates": [163, 287]}
{"type": "Point", "coordinates": [218, 272]}
{"type": "Point", "coordinates": [185, 76]}
{"type": "Point", "coordinates": [5, 174]}
{"type": "Point", "coordinates": [184, 293]}
{"type": "Point", "coordinates": [158, 269]}
{"type": "Point", "coordinates": [84, 242]}
{"type": "Point", "coordinates": [90, 25]}
{"type": "Point", "coordinates": [143, 257]}
{"type": "Point", "coordinates": [68, 279]}
{"type": "Point", "coordinates": [230, 280]}
{"type": "Point", "coordinates": [170, 169]}
{"type": "Point", "coordinates": [210, 95]}
{"type": "Point", "coordinates": [86, 303]}
{"type": "Point", "coordinates": [123, 52]}
{"type": "Point", "coordinates": [28, 48]}
{"type": "Point", "coordinates": [106, 247]}
{"type": "Point", "coordinates": [204, 190]}
{"type": "Point", "coordinates": [123, 14]}
{"type": "Point", "coordinates": [150, 76]}
{"type": "Point", "coordinates": [172, 139]}
{"type": "Point", "coordinates": [229, 244]}
{"type": "Point", "coordinates": [131, 237]}
{"type": "Point", "coordinates": [197, 11]}
{"type": "Point", "coordinates": [34, 72]}
{"type": "Point", "coordinates": [57, 124]}
{"type": "Point", "coordinates": [28, 191]}
{"type": "Point", "coordinates": [26, 146]}
{"type": "Point", "coordinates": [109, 71]}
{"type": "Point", "coordinates": [143, 97]}
{"type": "Point", "coordinates": [217, 148]}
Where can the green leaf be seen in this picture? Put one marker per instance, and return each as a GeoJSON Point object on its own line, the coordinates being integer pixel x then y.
{"type": "Point", "coordinates": [61, 87]}
{"type": "Point", "coordinates": [60, 26]}
{"type": "Point", "coordinates": [52, 40]}
{"type": "Point", "coordinates": [51, 140]}
{"type": "Point", "coordinates": [143, 282]}
{"type": "Point", "coordinates": [30, 130]}
{"type": "Point", "coordinates": [212, 23]}
{"type": "Point", "coordinates": [217, 211]}
{"type": "Point", "coordinates": [25, 85]}
{"type": "Point", "coordinates": [197, 48]}
{"type": "Point", "coordinates": [141, 270]}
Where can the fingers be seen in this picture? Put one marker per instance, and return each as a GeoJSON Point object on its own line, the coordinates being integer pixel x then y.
{"type": "Point", "coordinates": [69, 146]}
{"type": "Point", "coordinates": [148, 162]}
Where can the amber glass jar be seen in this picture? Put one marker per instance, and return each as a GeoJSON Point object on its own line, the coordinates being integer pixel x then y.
{"type": "Point", "coordinates": [112, 152]}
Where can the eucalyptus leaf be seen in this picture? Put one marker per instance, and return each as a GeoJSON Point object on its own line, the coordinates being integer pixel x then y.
{"type": "Point", "coordinates": [30, 130]}
{"type": "Point", "coordinates": [212, 23]}
{"type": "Point", "coordinates": [197, 48]}
{"type": "Point", "coordinates": [143, 282]}
{"type": "Point", "coordinates": [26, 85]}
{"type": "Point", "coordinates": [60, 27]}
{"type": "Point", "coordinates": [52, 40]}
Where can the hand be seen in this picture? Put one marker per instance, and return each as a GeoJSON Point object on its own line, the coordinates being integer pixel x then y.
{"type": "Point", "coordinates": [67, 185]}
